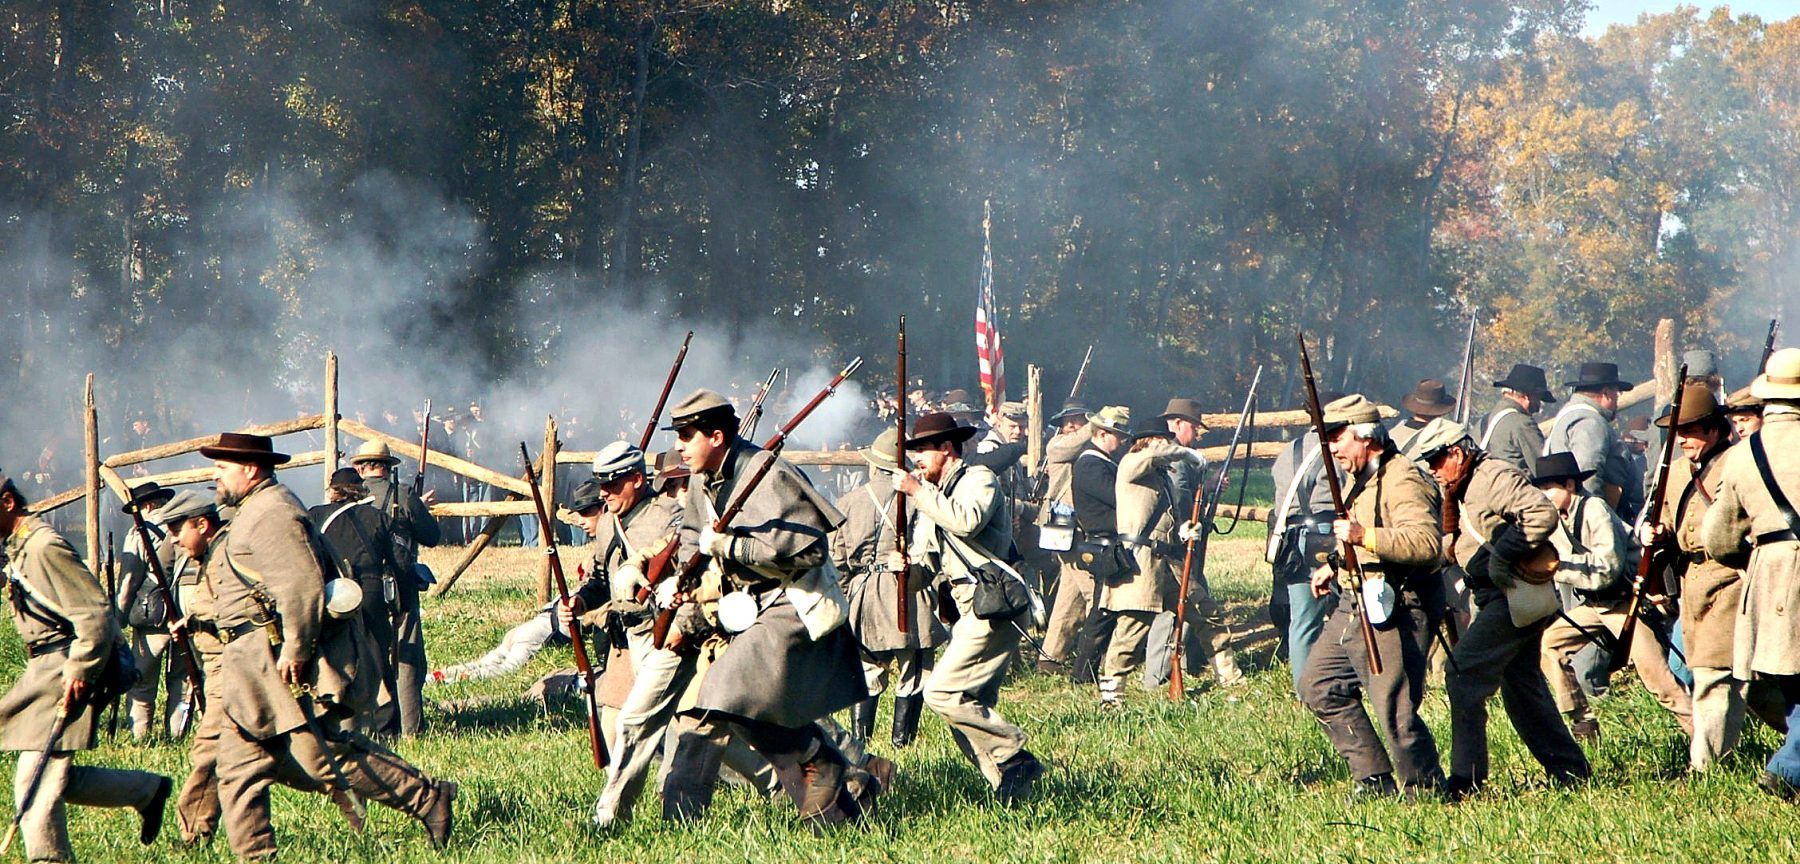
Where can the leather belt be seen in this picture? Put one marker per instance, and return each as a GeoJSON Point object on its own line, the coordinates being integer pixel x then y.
{"type": "Point", "coordinates": [204, 625]}
{"type": "Point", "coordinates": [229, 635]}
{"type": "Point", "coordinates": [49, 647]}
{"type": "Point", "coordinates": [1785, 535]}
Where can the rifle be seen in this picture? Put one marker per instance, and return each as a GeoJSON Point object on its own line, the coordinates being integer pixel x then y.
{"type": "Point", "coordinates": [1346, 552]}
{"type": "Point", "coordinates": [171, 609]}
{"type": "Point", "coordinates": [903, 617]}
{"type": "Point", "coordinates": [1205, 510]}
{"type": "Point", "coordinates": [747, 428]}
{"type": "Point", "coordinates": [596, 741]}
{"type": "Point", "coordinates": [37, 777]}
{"type": "Point", "coordinates": [111, 570]}
{"type": "Point", "coordinates": [1650, 564]}
{"type": "Point", "coordinates": [687, 576]}
{"type": "Point", "coordinates": [1081, 374]}
{"type": "Point", "coordinates": [424, 452]}
{"type": "Point", "coordinates": [1465, 401]}
{"type": "Point", "coordinates": [1768, 346]}
{"type": "Point", "coordinates": [668, 384]}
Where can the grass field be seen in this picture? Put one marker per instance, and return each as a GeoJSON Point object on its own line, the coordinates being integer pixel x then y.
{"type": "Point", "coordinates": [1239, 776]}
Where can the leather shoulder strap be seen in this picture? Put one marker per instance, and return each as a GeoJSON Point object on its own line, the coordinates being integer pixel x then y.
{"type": "Point", "coordinates": [1761, 457]}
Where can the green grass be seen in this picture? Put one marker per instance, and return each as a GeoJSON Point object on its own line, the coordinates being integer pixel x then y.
{"type": "Point", "coordinates": [1239, 776]}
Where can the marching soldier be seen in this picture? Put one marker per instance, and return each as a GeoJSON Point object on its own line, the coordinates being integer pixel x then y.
{"type": "Point", "coordinates": [790, 662]}
{"type": "Point", "coordinates": [412, 525]}
{"type": "Point", "coordinates": [1074, 587]}
{"type": "Point", "coordinates": [1754, 511]}
{"type": "Point", "coordinates": [1301, 531]}
{"type": "Point", "coordinates": [70, 634]}
{"type": "Point", "coordinates": [1093, 490]}
{"type": "Point", "coordinates": [1394, 522]}
{"type": "Point", "coordinates": [1502, 540]}
{"type": "Point", "coordinates": [1597, 560]}
{"type": "Point", "coordinates": [862, 547]}
{"type": "Point", "coordinates": [290, 688]}
{"type": "Point", "coordinates": [963, 524]}
{"type": "Point", "coordinates": [1510, 434]}
{"type": "Point", "coordinates": [143, 602]}
{"type": "Point", "coordinates": [1744, 411]}
{"type": "Point", "coordinates": [360, 540]}
{"type": "Point", "coordinates": [197, 531]}
{"type": "Point", "coordinates": [1427, 401]}
{"type": "Point", "coordinates": [1206, 631]}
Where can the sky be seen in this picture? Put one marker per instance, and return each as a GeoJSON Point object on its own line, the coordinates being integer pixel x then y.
{"type": "Point", "coordinates": [1608, 12]}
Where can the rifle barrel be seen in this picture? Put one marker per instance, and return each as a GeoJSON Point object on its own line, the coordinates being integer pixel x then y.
{"type": "Point", "coordinates": [903, 617]}
{"type": "Point", "coordinates": [662, 400]}
{"type": "Point", "coordinates": [596, 742]}
{"type": "Point", "coordinates": [1649, 560]}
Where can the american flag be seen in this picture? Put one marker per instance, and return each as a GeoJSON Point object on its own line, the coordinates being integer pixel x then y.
{"type": "Point", "coordinates": [987, 322]}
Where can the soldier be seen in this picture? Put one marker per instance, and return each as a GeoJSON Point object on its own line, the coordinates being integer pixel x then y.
{"type": "Point", "coordinates": [1093, 490]}
{"type": "Point", "coordinates": [361, 542]}
{"type": "Point", "coordinates": [1428, 400]}
{"type": "Point", "coordinates": [963, 521]}
{"type": "Point", "coordinates": [1503, 524]}
{"type": "Point", "coordinates": [1510, 434]}
{"type": "Point", "coordinates": [1711, 589]}
{"type": "Point", "coordinates": [1206, 632]}
{"type": "Point", "coordinates": [1597, 560]}
{"type": "Point", "coordinates": [1301, 531]}
{"type": "Point", "coordinates": [861, 548]}
{"type": "Point", "coordinates": [143, 602]}
{"type": "Point", "coordinates": [1074, 587]}
{"type": "Point", "coordinates": [70, 634]}
{"type": "Point", "coordinates": [290, 688]}
{"type": "Point", "coordinates": [194, 525]}
{"type": "Point", "coordinates": [1754, 512]}
{"type": "Point", "coordinates": [790, 662]}
{"type": "Point", "coordinates": [1584, 427]}
{"type": "Point", "coordinates": [412, 525]}
{"type": "Point", "coordinates": [1744, 411]}
{"type": "Point", "coordinates": [1393, 519]}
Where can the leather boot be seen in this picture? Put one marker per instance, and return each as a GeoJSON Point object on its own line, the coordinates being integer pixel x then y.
{"type": "Point", "coordinates": [823, 802]}
{"type": "Point", "coordinates": [906, 719]}
{"type": "Point", "coordinates": [862, 719]}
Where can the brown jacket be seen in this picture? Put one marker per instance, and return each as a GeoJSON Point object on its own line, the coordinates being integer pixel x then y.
{"type": "Point", "coordinates": [1142, 494]}
{"type": "Point", "coordinates": [59, 605]}
{"type": "Point", "coordinates": [271, 566]}
{"type": "Point", "coordinates": [1710, 590]}
{"type": "Point", "coordinates": [1059, 466]}
{"type": "Point", "coordinates": [1499, 495]}
{"type": "Point", "coordinates": [1767, 640]}
{"type": "Point", "coordinates": [1399, 507]}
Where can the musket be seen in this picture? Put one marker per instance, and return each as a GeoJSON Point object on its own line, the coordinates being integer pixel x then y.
{"type": "Point", "coordinates": [37, 776]}
{"type": "Point", "coordinates": [1768, 346]}
{"type": "Point", "coordinates": [112, 596]}
{"type": "Point", "coordinates": [1465, 400]}
{"type": "Point", "coordinates": [1346, 552]}
{"type": "Point", "coordinates": [1651, 562]}
{"type": "Point", "coordinates": [596, 741]}
{"type": "Point", "coordinates": [1081, 374]}
{"type": "Point", "coordinates": [424, 452]}
{"type": "Point", "coordinates": [668, 384]}
{"type": "Point", "coordinates": [687, 576]}
{"type": "Point", "coordinates": [171, 608]}
{"type": "Point", "coordinates": [1205, 510]}
{"type": "Point", "coordinates": [747, 428]}
{"type": "Point", "coordinates": [903, 617]}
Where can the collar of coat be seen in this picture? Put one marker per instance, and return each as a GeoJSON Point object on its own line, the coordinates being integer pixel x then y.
{"type": "Point", "coordinates": [21, 534]}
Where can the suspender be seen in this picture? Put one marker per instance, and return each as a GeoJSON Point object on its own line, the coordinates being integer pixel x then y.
{"type": "Point", "coordinates": [1559, 424]}
{"type": "Point", "coordinates": [1761, 457]}
{"type": "Point", "coordinates": [1494, 421]}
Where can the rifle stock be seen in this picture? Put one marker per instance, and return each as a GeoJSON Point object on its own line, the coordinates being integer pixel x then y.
{"type": "Point", "coordinates": [687, 576]}
{"type": "Point", "coordinates": [1650, 563]}
{"type": "Point", "coordinates": [1346, 552]}
{"type": "Point", "coordinates": [596, 741]}
{"type": "Point", "coordinates": [1205, 508]}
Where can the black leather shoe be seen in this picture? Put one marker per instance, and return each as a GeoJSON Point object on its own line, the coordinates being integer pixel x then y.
{"type": "Point", "coordinates": [152, 811]}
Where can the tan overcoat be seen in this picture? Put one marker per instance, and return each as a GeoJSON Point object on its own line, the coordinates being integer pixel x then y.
{"type": "Point", "coordinates": [1767, 639]}
{"type": "Point", "coordinates": [1710, 590]}
{"type": "Point", "coordinates": [48, 586]}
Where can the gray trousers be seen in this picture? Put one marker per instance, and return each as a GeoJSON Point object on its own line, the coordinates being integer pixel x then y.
{"type": "Point", "coordinates": [1074, 597]}
{"type": "Point", "coordinates": [964, 687]}
{"type": "Point", "coordinates": [911, 665]}
{"type": "Point", "coordinates": [1495, 656]}
{"type": "Point", "coordinates": [1338, 674]}
{"type": "Point", "coordinates": [45, 827]}
{"type": "Point", "coordinates": [161, 668]}
{"type": "Point", "coordinates": [410, 668]}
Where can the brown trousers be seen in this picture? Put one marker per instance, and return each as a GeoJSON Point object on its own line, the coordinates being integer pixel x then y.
{"type": "Point", "coordinates": [197, 805]}
{"type": "Point", "coordinates": [247, 767]}
{"type": "Point", "coordinates": [1563, 640]}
